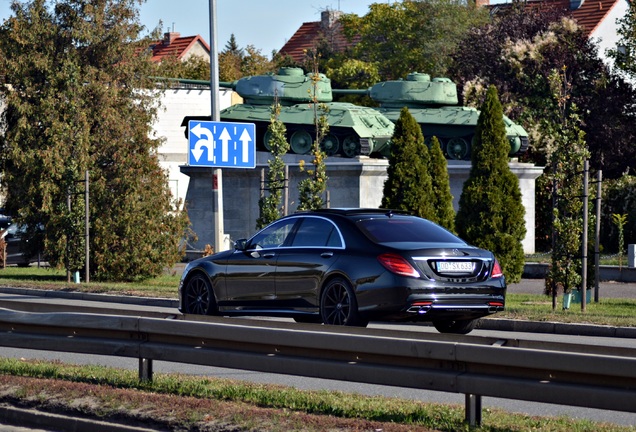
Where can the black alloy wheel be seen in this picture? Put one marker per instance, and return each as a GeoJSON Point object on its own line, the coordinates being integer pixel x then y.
{"type": "Point", "coordinates": [198, 297]}
{"type": "Point", "coordinates": [338, 305]}
{"type": "Point", "coordinates": [455, 326]}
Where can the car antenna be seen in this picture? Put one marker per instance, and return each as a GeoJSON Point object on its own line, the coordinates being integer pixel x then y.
{"type": "Point", "coordinates": [390, 213]}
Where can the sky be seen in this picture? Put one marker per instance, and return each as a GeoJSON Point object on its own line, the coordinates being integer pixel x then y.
{"type": "Point", "coordinates": [265, 24]}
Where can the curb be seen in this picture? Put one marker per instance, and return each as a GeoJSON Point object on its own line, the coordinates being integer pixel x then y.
{"type": "Point", "coordinates": [105, 298]}
{"type": "Point", "coordinates": [32, 418]}
{"type": "Point", "coordinates": [556, 328]}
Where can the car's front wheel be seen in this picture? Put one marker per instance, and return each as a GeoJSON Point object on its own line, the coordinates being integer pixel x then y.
{"type": "Point", "coordinates": [338, 305]}
{"type": "Point", "coordinates": [455, 326]}
{"type": "Point", "coordinates": [198, 297]}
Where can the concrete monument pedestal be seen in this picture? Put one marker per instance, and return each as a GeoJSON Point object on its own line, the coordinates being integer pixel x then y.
{"type": "Point", "coordinates": [356, 182]}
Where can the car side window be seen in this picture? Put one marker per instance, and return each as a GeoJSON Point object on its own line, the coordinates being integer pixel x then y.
{"type": "Point", "coordinates": [317, 232]}
{"type": "Point", "coordinates": [273, 236]}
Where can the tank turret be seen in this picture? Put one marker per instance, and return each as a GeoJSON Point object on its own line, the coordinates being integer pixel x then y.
{"type": "Point", "coordinates": [353, 130]}
{"type": "Point", "coordinates": [290, 86]}
{"type": "Point", "coordinates": [433, 104]}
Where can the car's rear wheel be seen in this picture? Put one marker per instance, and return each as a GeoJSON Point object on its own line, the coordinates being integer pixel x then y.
{"type": "Point", "coordinates": [198, 297]}
{"type": "Point", "coordinates": [338, 305]}
{"type": "Point", "coordinates": [455, 326]}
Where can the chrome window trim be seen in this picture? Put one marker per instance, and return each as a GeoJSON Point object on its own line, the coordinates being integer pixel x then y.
{"type": "Point", "coordinates": [342, 242]}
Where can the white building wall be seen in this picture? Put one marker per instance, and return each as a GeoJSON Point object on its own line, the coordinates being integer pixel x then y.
{"type": "Point", "coordinates": [197, 50]}
{"type": "Point", "coordinates": [606, 34]}
{"type": "Point", "coordinates": [175, 105]}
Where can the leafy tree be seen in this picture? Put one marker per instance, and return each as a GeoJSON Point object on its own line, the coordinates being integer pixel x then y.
{"type": "Point", "coordinates": [411, 36]}
{"type": "Point", "coordinates": [235, 62]}
{"type": "Point", "coordinates": [518, 51]}
{"type": "Point", "coordinates": [255, 63]}
{"type": "Point", "coordinates": [270, 205]}
{"type": "Point", "coordinates": [347, 73]}
{"type": "Point", "coordinates": [195, 67]}
{"type": "Point", "coordinates": [625, 54]}
{"type": "Point", "coordinates": [564, 175]}
{"type": "Point", "coordinates": [408, 185]}
{"type": "Point", "coordinates": [441, 197]}
{"type": "Point", "coordinates": [619, 197]}
{"type": "Point", "coordinates": [74, 103]}
{"type": "Point", "coordinates": [312, 188]}
{"type": "Point", "coordinates": [491, 214]}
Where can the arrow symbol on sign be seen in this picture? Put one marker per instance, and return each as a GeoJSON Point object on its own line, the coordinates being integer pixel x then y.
{"type": "Point", "coordinates": [199, 130]}
{"type": "Point", "coordinates": [225, 138]}
{"type": "Point", "coordinates": [245, 139]}
{"type": "Point", "coordinates": [197, 151]}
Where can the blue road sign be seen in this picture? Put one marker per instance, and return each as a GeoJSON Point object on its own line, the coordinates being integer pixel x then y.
{"type": "Point", "coordinates": [222, 144]}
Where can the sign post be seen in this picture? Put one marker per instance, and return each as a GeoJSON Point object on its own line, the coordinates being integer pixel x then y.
{"type": "Point", "coordinates": [219, 231]}
{"type": "Point", "coordinates": [221, 145]}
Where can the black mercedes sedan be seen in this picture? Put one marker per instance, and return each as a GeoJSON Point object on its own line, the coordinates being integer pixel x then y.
{"type": "Point", "coordinates": [348, 267]}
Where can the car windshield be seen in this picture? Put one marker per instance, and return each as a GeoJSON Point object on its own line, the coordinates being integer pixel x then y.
{"type": "Point", "coordinates": [406, 230]}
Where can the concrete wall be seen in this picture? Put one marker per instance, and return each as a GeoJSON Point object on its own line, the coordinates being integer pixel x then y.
{"type": "Point", "coordinates": [356, 182]}
{"type": "Point", "coordinates": [175, 105]}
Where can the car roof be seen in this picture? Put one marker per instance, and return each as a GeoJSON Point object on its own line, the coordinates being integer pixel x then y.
{"type": "Point", "coordinates": [356, 211]}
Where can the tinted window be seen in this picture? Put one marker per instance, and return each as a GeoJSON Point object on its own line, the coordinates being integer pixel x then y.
{"type": "Point", "coordinates": [399, 229]}
{"type": "Point", "coordinates": [273, 235]}
{"type": "Point", "coordinates": [317, 232]}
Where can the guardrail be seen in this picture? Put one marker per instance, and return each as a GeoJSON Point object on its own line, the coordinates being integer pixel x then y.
{"type": "Point", "coordinates": [567, 374]}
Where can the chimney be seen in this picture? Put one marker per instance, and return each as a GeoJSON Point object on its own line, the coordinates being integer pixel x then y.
{"type": "Point", "coordinates": [481, 3]}
{"type": "Point", "coordinates": [169, 37]}
{"type": "Point", "coordinates": [328, 18]}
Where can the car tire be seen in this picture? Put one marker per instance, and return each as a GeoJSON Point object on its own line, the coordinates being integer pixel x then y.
{"type": "Point", "coordinates": [455, 326]}
{"type": "Point", "coordinates": [198, 297]}
{"type": "Point", "coordinates": [338, 305]}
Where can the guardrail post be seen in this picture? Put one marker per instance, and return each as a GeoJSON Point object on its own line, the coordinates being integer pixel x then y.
{"type": "Point", "coordinates": [145, 369]}
{"type": "Point", "coordinates": [473, 409]}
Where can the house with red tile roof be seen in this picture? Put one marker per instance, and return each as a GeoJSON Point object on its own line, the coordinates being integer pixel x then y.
{"type": "Point", "coordinates": [310, 34]}
{"type": "Point", "coordinates": [596, 17]}
{"type": "Point", "coordinates": [182, 48]}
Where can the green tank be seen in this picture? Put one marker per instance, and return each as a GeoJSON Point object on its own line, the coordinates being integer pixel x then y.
{"type": "Point", "coordinates": [434, 105]}
{"type": "Point", "coordinates": [353, 130]}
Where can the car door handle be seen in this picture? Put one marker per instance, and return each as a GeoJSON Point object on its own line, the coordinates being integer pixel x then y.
{"type": "Point", "coordinates": [269, 255]}
{"type": "Point", "coordinates": [326, 254]}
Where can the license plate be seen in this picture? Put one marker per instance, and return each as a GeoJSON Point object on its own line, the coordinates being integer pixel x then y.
{"type": "Point", "coordinates": [455, 266]}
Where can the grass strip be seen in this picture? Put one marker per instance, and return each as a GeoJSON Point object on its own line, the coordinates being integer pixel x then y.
{"type": "Point", "coordinates": [412, 415]}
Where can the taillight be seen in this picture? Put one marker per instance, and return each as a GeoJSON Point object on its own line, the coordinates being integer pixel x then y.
{"type": "Point", "coordinates": [496, 270]}
{"type": "Point", "coordinates": [398, 265]}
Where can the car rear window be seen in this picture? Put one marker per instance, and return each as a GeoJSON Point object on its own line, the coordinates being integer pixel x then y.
{"type": "Point", "coordinates": [411, 230]}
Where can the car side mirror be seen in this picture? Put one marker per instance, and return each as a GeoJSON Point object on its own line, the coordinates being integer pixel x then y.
{"type": "Point", "coordinates": [240, 245]}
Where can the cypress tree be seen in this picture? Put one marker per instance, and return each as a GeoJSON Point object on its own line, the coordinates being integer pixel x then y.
{"type": "Point", "coordinates": [491, 214]}
{"type": "Point", "coordinates": [441, 197]}
{"type": "Point", "coordinates": [408, 185]}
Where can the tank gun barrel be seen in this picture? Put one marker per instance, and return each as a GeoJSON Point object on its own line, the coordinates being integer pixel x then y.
{"type": "Point", "coordinates": [357, 92]}
{"type": "Point", "coordinates": [228, 84]}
